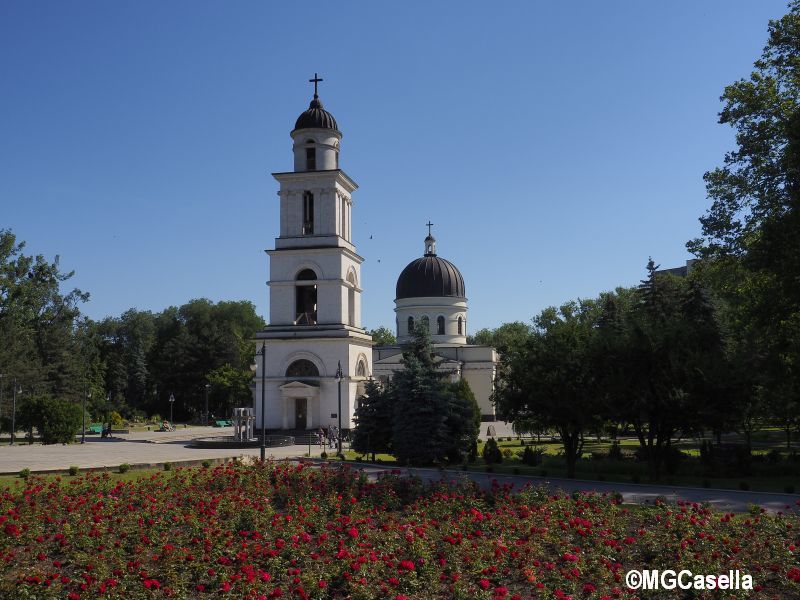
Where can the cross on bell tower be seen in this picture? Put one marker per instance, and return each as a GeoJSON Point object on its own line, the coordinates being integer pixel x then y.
{"type": "Point", "coordinates": [315, 81]}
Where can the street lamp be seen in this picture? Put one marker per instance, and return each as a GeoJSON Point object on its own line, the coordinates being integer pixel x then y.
{"type": "Point", "coordinates": [86, 394]}
{"type": "Point", "coordinates": [14, 412]}
{"type": "Point", "coordinates": [263, 354]}
{"type": "Point", "coordinates": [207, 386]}
{"type": "Point", "coordinates": [339, 414]}
{"type": "Point", "coordinates": [171, 402]}
{"type": "Point", "coordinates": [1, 394]}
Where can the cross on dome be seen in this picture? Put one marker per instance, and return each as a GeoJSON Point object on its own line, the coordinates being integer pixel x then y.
{"type": "Point", "coordinates": [315, 81]}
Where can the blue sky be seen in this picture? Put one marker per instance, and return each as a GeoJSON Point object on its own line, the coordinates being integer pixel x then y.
{"type": "Point", "coordinates": [555, 146]}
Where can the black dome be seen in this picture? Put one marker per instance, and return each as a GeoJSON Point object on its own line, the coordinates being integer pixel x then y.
{"type": "Point", "coordinates": [316, 117]}
{"type": "Point", "coordinates": [430, 276]}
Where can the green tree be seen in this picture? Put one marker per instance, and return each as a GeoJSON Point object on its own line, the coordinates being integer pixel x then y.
{"type": "Point", "coordinates": [57, 421]}
{"type": "Point", "coordinates": [230, 388]}
{"type": "Point", "coordinates": [382, 336]}
{"type": "Point", "coordinates": [656, 358]}
{"type": "Point", "coordinates": [420, 432]}
{"type": "Point", "coordinates": [749, 234]}
{"type": "Point", "coordinates": [552, 381]}
{"type": "Point", "coordinates": [507, 338]}
{"type": "Point", "coordinates": [373, 419]}
{"type": "Point", "coordinates": [37, 321]}
{"type": "Point", "coordinates": [463, 420]}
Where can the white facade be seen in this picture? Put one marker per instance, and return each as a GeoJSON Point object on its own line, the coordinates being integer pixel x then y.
{"type": "Point", "coordinates": [475, 364]}
{"type": "Point", "coordinates": [315, 296]}
{"type": "Point", "coordinates": [451, 310]}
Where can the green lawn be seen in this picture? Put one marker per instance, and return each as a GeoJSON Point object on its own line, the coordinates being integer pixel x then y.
{"type": "Point", "coordinates": [17, 481]}
{"type": "Point", "coordinates": [764, 477]}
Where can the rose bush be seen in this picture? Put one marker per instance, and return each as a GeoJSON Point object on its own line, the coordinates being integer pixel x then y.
{"type": "Point", "coordinates": [279, 530]}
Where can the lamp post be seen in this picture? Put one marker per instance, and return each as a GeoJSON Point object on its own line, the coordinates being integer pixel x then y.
{"type": "Point", "coordinates": [86, 394]}
{"type": "Point", "coordinates": [205, 419]}
{"type": "Point", "coordinates": [263, 354]}
{"type": "Point", "coordinates": [14, 413]}
{"type": "Point", "coordinates": [339, 414]}
{"type": "Point", "coordinates": [171, 402]}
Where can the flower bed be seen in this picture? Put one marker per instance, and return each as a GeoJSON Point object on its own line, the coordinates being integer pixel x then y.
{"type": "Point", "coordinates": [281, 530]}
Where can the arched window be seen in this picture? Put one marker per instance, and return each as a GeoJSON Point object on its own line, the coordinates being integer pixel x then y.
{"type": "Point", "coordinates": [440, 325]}
{"type": "Point", "coordinates": [302, 368]}
{"type": "Point", "coordinates": [308, 213]}
{"type": "Point", "coordinates": [460, 326]}
{"type": "Point", "coordinates": [311, 156]}
{"type": "Point", "coordinates": [305, 299]}
{"type": "Point", "coordinates": [361, 369]}
{"type": "Point", "coordinates": [410, 325]}
{"type": "Point", "coordinates": [351, 299]}
{"type": "Point", "coordinates": [306, 275]}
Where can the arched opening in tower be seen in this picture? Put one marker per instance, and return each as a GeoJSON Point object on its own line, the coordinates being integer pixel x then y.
{"type": "Point", "coordinates": [306, 299]}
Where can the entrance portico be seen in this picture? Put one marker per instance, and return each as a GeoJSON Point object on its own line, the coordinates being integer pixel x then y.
{"type": "Point", "coordinates": [300, 403]}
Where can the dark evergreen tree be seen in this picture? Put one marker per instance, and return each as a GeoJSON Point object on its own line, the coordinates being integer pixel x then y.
{"type": "Point", "coordinates": [463, 420]}
{"type": "Point", "coordinates": [420, 433]}
{"type": "Point", "coordinates": [373, 419]}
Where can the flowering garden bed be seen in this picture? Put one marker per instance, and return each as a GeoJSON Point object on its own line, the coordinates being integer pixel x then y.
{"type": "Point", "coordinates": [282, 530]}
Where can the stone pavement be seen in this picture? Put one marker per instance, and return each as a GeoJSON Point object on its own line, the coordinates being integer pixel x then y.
{"type": "Point", "coordinates": [154, 447]}
{"type": "Point", "coordinates": [145, 447]}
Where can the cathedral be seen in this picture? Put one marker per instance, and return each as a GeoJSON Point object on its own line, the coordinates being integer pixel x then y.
{"type": "Point", "coordinates": [314, 355]}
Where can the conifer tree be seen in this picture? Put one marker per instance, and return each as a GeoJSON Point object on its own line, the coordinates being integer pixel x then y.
{"type": "Point", "coordinates": [420, 433]}
{"type": "Point", "coordinates": [373, 419]}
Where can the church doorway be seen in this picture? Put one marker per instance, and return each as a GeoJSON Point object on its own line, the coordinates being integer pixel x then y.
{"type": "Point", "coordinates": [300, 413]}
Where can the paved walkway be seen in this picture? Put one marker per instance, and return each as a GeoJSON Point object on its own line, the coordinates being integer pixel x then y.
{"type": "Point", "coordinates": [144, 447]}
{"type": "Point", "coordinates": [154, 447]}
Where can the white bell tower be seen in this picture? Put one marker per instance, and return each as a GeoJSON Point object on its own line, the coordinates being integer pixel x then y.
{"type": "Point", "coordinates": [314, 288]}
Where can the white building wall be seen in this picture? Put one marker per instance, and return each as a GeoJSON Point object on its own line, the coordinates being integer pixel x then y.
{"type": "Point", "coordinates": [451, 308]}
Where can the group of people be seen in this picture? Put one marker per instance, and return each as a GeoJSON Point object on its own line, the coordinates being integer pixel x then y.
{"type": "Point", "coordinates": [329, 435]}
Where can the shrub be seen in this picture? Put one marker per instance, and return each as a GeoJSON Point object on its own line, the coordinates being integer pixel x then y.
{"type": "Point", "coordinates": [73, 470]}
{"type": "Point", "coordinates": [672, 459]}
{"type": "Point", "coordinates": [324, 454]}
{"type": "Point", "coordinates": [116, 420]}
{"type": "Point", "coordinates": [25, 473]}
{"type": "Point", "coordinates": [774, 456]}
{"type": "Point", "coordinates": [206, 464]}
{"type": "Point", "coordinates": [168, 466]}
{"type": "Point", "coordinates": [491, 453]}
{"type": "Point", "coordinates": [532, 457]}
{"type": "Point", "coordinates": [508, 453]}
{"type": "Point", "coordinates": [615, 452]}
{"type": "Point", "coordinates": [124, 468]}
{"type": "Point", "coordinates": [472, 456]}
{"type": "Point", "coordinates": [57, 421]}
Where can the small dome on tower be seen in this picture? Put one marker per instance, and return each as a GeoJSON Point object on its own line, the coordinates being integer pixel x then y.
{"type": "Point", "coordinates": [316, 117]}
